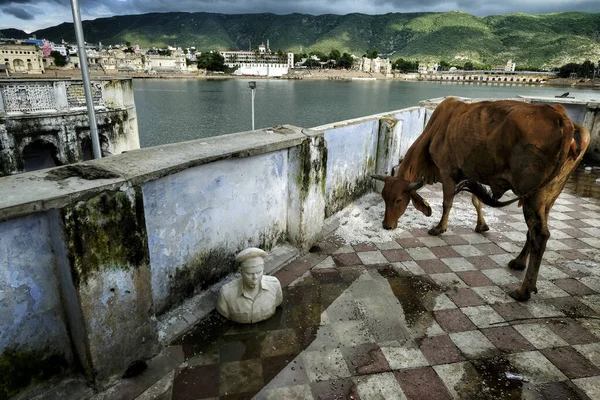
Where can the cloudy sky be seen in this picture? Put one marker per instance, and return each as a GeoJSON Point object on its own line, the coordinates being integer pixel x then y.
{"type": "Point", "coordinates": [31, 15]}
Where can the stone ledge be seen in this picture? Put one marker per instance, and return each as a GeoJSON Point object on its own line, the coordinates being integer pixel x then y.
{"type": "Point", "coordinates": [34, 192]}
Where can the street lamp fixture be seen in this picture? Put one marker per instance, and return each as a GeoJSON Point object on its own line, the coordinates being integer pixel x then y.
{"type": "Point", "coordinates": [252, 86]}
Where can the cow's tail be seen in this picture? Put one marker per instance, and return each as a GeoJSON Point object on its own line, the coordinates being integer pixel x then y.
{"type": "Point", "coordinates": [484, 194]}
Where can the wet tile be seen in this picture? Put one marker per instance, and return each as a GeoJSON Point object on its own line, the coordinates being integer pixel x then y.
{"type": "Point", "coordinates": [483, 316]}
{"type": "Point", "coordinates": [507, 339]}
{"type": "Point", "coordinates": [512, 311]}
{"type": "Point", "coordinates": [346, 259]}
{"type": "Point", "coordinates": [570, 362]}
{"type": "Point", "coordinates": [292, 373]}
{"type": "Point", "coordinates": [396, 255]}
{"type": "Point", "coordinates": [536, 367]}
{"type": "Point", "coordinates": [272, 366]}
{"type": "Point", "coordinates": [297, 392]}
{"type": "Point", "coordinates": [240, 347]}
{"type": "Point", "coordinates": [440, 350]}
{"type": "Point", "coordinates": [422, 383]}
{"type": "Point", "coordinates": [325, 264]}
{"type": "Point", "coordinates": [561, 391]}
{"type": "Point", "coordinates": [240, 377]}
{"type": "Point", "coordinates": [413, 268]}
{"type": "Point", "coordinates": [458, 264]}
{"type": "Point", "coordinates": [327, 275]}
{"type": "Point", "coordinates": [453, 321]}
{"type": "Point", "coordinates": [542, 309]}
{"type": "Point", "coordinates": [280, 342]}
{"type": "Point", "coordinates": [473, 344]}
{"type": "Point", "coordinates": [572, 332]}
{"type": "Point", "coordinates": [465, 298]}
{"type": "Point", "coordinates": [483, 262]}
{"type": "Point", "coordinates": [379, 386]}
{"type": "Point", "coordinates": [400, 357]}
{"type": "Point", "coordinates": [590, 351]}
{"type": "Point", "coordinates": [325, 365]}
{"type": "Point", "coordinates": [352, 333]}
{"type": "Point", "coordinates": [433, 266]}
{"type": "Point", "coordinates": [444, 252]}
{"type": "Point", "coordinates": [334, 389]}
{"type": "Point", "coordinates": [196, 383]}
{"type": "Point", "coordinates": [438, 302]}
{"type": "Point", "coordinates": [540, 335]}
{"type": "Point", "coordinates": [453, 376]}
{"type": "Point", "coordinates": [365, 359]}
{"type": "Point", "coordinates": [590, 386]}
{"type": "Point", "coordinates": [420, 253]}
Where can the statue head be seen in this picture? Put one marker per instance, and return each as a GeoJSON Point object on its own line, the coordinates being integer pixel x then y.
{"type": "Point", "coordinates": [252, 265]}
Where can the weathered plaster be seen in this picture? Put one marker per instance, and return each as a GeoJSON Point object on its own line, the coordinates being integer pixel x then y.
{"type": "Point", "coordinates": [198, 218]}
{"type": "Point", "coordinates": [32, 323]}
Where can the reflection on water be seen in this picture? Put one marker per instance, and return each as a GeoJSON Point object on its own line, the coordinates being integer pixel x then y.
{"type": "Point", "coordinates": [584, 183]}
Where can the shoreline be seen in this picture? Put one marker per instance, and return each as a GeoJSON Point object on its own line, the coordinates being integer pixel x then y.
{"type": "Point", "coordinates": [311, 75]}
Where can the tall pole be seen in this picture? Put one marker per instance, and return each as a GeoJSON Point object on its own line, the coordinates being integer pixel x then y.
{"type": "Point", "coordinates": [252, 109]}
{"type": "Point", "coordinates": [87, 87]}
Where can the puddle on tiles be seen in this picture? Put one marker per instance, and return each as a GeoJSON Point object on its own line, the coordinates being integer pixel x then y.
{"type": "Point", "coordinates": [584, 183]}
{"type": "Point", "coordinates": [486, 379]}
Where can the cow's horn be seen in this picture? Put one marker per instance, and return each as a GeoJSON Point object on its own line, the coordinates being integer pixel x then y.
{"type": "Point", "coordinates": [416, 185]}
{"type": "Point", "coordinates": [379, 177]}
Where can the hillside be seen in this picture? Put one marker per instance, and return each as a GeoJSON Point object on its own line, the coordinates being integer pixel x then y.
{"type": "Point", "coordinates": [536, 40]}
{"type": "Point", "coordinates": [13, 34]}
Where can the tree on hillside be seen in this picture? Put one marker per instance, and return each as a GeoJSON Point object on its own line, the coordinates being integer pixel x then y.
{"type": "Point", "coordinates": [345, 61]}
{"type": "Point", "coordinates": [469, 66]}
{"type": "Point", "coordinates": [318, 54]}
{"type": "Point", "coordinates": [211, 61]}
{"type": "Point", "coordinates": [59, 59]}
{"type": "Point", "coordinates": [371, 54]}
{"type": "Point", "coordinates": [403, 65]}
{"type": "Point", "coordinates": [335, 55]}
{"type": "Point", "coordinates": [444, 66]}
{"type": "Point", "coordinates": [586, 69]}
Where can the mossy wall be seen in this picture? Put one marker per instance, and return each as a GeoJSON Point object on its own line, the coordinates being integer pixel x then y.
{"type": "Point", "coordinates": [108, 251]}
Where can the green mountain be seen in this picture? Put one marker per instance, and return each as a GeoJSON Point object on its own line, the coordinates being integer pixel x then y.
{"type": "Point", "coordinates": [11, 33]}
{"type": "Point", "coordinates": [534, 40]}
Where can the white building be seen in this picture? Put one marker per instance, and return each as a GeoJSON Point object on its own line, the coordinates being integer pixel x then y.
{"type": "Point", "coordinates": [261, 62]}
{"type": "Point", "coordinates": [430, 68]}
{"type": "Point", "coordinates": [377, 65]}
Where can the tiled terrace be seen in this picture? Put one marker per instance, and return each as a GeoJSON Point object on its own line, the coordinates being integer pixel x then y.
{"type": "Point", "coordinates": [419, 317]}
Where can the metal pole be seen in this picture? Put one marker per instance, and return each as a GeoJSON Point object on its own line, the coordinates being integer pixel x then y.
{"type": "Point", "coordinates": [87, 87]}
{"type": "Point", "coordinates": [252, 109]}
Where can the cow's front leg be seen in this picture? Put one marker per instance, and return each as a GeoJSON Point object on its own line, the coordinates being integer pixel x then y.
{"type": "Point", "coordinates": [448, 189]}
{"type": "Point", "coordinates": [481, 224]}
{"type": "Point", "coordinates": [536, 218]}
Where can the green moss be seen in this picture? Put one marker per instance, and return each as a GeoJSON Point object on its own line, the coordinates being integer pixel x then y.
{"type": "Point", "coordinates": [309, 168]}
{"type": "Point", "coordinates": [345, 193]}
{"type": "Point", "coordinates": [106, 232]}
{"type": "Point", "coordinates": [19, 369]}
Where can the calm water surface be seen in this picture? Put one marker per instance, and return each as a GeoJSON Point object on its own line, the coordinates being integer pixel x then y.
{"type": "Point", "coordinates": [177, 110]}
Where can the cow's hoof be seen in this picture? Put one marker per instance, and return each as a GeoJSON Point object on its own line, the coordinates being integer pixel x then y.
{"type": "Point", "coordinates": [520, 295]}
{"type": "Point", "coordinates": [516, 265]}
{"type": "Point", "coordinates": [436, 231]}
{"type": "Point", "coordinates": [482, 228]}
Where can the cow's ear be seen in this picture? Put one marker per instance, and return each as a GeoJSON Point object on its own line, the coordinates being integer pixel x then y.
{"type": "Point", "coordinates": [419, 203]}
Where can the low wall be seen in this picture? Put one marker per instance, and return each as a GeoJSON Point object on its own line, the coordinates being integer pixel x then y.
{"type": "Point", "coordinates": [91, 254]}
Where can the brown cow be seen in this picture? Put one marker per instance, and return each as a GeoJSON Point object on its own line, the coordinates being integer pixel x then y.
{"type": "Point", "coordinates": [508, 145]}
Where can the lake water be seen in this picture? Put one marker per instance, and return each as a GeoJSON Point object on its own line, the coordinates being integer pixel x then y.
{"type": "Point", "coordinates": [184, 109]}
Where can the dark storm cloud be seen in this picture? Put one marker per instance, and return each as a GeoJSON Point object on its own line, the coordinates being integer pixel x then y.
{"type": "Point", "coordinates": [18, 12]}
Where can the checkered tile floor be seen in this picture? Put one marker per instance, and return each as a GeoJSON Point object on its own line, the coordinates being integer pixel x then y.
{"type": "Point", "coordinates": [420, 317]}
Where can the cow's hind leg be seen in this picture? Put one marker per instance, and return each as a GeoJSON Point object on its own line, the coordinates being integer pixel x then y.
{"type": "Point", "coordinates": [536, 217]}
{"type": "Point", "coordinates": [520, 262]}
{"type": "Point", "coordinates": [481, 224]}
{"type": "Point", "coordinates": [448, 189]}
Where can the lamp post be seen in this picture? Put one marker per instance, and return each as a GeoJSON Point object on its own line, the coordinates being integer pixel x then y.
{"type": "Point", "coordinates": [252, 85]}
{"type": "Point", "coordinates": [87, 88]}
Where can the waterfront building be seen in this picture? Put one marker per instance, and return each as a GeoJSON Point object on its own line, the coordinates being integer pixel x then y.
{"type": "Point", "coordinates": [261, 62]}
{"type": "Point", "coordinates": [22, 58]}
{"type": "Point", "coordinates": [376, 65]}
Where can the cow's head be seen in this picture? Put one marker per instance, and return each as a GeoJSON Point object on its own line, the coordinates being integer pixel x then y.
{"type": "Point", "coordinates": [397, 193]}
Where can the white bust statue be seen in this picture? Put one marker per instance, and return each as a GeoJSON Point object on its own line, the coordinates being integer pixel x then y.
{"type": "Point", "coordinates": [254, 296]}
